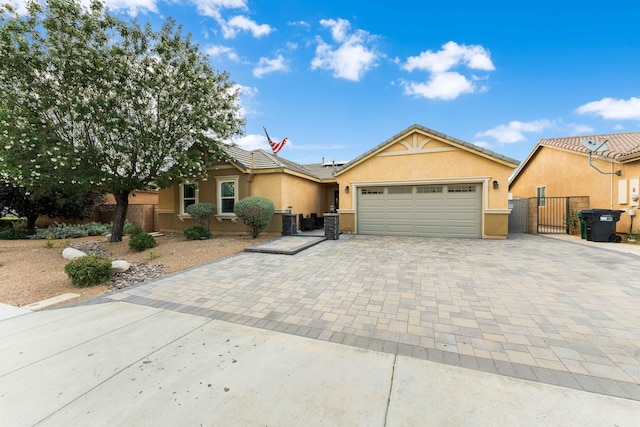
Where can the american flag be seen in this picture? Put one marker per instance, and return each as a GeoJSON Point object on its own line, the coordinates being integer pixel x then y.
{"type": "Point", "coordinates": [276, 146]}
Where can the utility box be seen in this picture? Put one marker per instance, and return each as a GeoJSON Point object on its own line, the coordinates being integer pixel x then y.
{"type": "Point", "coordinates": [601, 224]}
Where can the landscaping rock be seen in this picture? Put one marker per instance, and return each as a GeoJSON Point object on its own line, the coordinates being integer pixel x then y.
{"type": "Point", "coordinates": [71, 253]}
{"type": "Point", "coordinates": [138, 273]}
{"type": "Point", "coordinates": [120, 266]}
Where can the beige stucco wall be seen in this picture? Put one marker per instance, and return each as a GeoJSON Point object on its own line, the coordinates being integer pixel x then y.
{"type": "Point", "coordinates": [283, 189]}
{"type": "Point", "coordinates": [566, 173]}
{"type": "Point", "coordinates": [409, 160]}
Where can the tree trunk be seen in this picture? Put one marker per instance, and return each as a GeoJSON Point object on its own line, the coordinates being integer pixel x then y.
{"type": "Point", "coordinates": [31, 221]}
{"type": "Point", "coordinates": [122, 204]}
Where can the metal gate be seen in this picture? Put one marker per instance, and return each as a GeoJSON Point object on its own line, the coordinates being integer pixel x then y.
{"type": "Point", "coordinates": [557, 215]}
{"type": "Point", "coordinates": [518, 216]}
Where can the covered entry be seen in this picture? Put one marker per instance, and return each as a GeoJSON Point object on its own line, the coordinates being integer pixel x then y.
{"type": "Point", "coordinates": [433, 210]}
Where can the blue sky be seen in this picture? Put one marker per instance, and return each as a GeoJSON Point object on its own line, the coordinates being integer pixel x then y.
{"type": "Point", "coordinates": [339, 77]}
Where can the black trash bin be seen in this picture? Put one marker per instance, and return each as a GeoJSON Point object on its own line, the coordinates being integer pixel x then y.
{"type": "Point", "coordinates": [601, 224]}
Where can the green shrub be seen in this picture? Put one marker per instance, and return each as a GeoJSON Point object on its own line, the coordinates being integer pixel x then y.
{"type": "Point", "coordinates": [132, 229]}
{"type": "Point", "coordinates": [256, 212]}
{"type": "Point", "coordinates": [64, 231]}
{"type": "Point", "coordinates": [7, 222]}
{"type": "Point", "coordinates": [13, 234]}
{"type": "Point", "coordinates": [89, 270]}
{"type": "Point", "coordinates": [197, 232]}
{"type": "Point", "coordinates": [142, 242]}
{"type": "Point", "coordinates": [201, 213]}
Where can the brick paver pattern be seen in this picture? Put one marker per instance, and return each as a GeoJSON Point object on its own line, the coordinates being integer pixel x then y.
{"type": "Point", "coordinates": [528, 307]}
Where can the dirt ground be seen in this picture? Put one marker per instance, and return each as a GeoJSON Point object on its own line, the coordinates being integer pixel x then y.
{"type": "Point", "coordinates": [30, 271]}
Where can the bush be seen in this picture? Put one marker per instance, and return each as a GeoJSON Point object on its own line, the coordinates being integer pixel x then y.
{"type": "Point", "coordinates": [201, 213]}
{"type": "Point", "coordinates": [197, 232]}
{"type": "Point", "coordinates": [64, 231]}
{"type": "Point", "coordinates": [89, 270]}
{"type": "Point", "coordinates": [13, 234]}
{"type": "Point", "coordinates": [132, 229]}
{"type": "Point", "coordinates": [142, 242]}
{"type": "Point", "coordinates": [7, 222]}
{"type": "Point", "coordinates": [256, 212]}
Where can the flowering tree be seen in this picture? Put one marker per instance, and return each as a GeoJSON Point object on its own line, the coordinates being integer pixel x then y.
{"type": "Point", "coordinates": [88, 100]}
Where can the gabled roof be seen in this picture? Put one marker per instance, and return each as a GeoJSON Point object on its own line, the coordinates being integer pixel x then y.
{"type": "Point", "coordinates": [455, 141]}
{"type": "Point", "coordinates": [261, 160]}
{"type": "Point", "coordinates": [622, 147]}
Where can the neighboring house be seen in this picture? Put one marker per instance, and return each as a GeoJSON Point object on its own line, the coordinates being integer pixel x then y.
{"type": "Point", "coordinates": [559, 167]}
{"type": "Point", "coordinates": [418, 183]}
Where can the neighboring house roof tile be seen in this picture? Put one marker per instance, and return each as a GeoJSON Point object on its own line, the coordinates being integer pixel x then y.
{"type": "Point", "coordinates": [620, 145]}
{"type": "Point", "coordinates": [435, 133]}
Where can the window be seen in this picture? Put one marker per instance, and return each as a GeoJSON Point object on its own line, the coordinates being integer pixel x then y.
{"type": "Point", "coordinates": [461, 189]}
{"type": "Point", "coordinates": [372, 191]}
{"type": "Point", "coordinates": [430, 189]}
{"type": "Point", "coordinates": [400, 190]}
{"type": "Point", "coordinates": [189, 196]}
{"type": "Point", "coordinates": [541, 195]}
{"type": "Point", "coordinates": [227, 194]}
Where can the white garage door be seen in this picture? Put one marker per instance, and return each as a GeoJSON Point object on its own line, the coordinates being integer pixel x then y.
{"type": "Point", "coordinates": [449, 210]}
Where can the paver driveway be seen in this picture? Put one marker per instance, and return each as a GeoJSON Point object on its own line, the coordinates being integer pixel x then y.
{"type": "Point", "coordinates": [528, 307]}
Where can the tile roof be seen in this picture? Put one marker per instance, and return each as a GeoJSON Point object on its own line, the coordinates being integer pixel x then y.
{"type": "Point", "coordinates": [265, 160]}
{"type": "Point", "coordinates": [432, 132]}
{"type": "Point", "coordinates": [621, 146]}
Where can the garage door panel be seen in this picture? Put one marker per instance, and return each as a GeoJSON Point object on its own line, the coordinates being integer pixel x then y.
{"type": "Point", "coordinates": [462, 216]}
{"type": "Point", "coordinates": [429, 230]}
{"type": "Point", "coordinates": [433, 210]}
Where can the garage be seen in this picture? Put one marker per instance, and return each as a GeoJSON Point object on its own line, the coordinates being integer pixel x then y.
{"type": "Point", "coordinates": [433, 210]}
{"type": "Point", "coordinates": [421, 182]}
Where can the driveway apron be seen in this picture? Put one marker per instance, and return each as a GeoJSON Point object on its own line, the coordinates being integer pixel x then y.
{"type": "Point", "coordinates": [527, 307]}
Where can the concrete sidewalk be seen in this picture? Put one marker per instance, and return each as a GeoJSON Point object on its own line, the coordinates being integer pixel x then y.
{"type": "Point", "coordinates": [124, 364]}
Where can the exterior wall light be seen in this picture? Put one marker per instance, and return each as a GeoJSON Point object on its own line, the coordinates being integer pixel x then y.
{"type": "Point", "coordinates": [495, 185]}
{"type": "Point", "coordinates": [346, 189]}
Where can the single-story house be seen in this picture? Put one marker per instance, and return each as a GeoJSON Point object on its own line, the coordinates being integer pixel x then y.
{"type": "Point", "coordinates": [560, 167]}
{"type": "Point", "coordinates": [305, 188]}
{"type": "Point", "coordinates": [419, 182]}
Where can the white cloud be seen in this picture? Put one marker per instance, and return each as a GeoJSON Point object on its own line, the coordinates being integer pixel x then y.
{"type": "Point", "coordinates": [339, 28]}
{"type": "Point", "coordinates": [578, 129]}
{"type": "Point", "coordinates": [515, 130]}
{"type": "Point", "coordinates": [444, 83]}
{"type": "Point", "coordinates": [618, 127]}
{"type": "Point", "coordinates": [351, 58]}
{"type": "Point", "coordinates": [610, 108]}
{"type": "Point", "coordinates": [212, 7]}
{"type": "Point", "coordinates": [299, 24]}
{"type": "Point", "coordinates": [253, 142]}
{"type": "Point", "coordinates": [131, 7]}
{"type": "Point", "coordinates": [20, 6]}
{"type": "Point", "coordinates": [247, 94]}
{"type": "Point", "coordinates": [483, 144]}
{"type": "Point", "coordinates": [445, 86]}
{"type": "Point", "coordinates": [238, 23]}
{"type": "Point", "coordinates": [450, 56]}
{"type": "Point", "coordinates": [266, 66]}
{"type": "Point", "coordinates": [220, 50]}
{"type": "Point", "coordinates": [134, 7]}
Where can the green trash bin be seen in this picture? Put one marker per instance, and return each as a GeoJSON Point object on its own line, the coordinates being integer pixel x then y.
{"type": "Point", "coordinates": [583, 227]}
